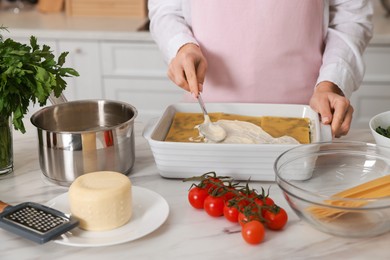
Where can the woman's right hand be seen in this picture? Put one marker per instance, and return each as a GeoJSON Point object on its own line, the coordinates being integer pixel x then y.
{"type": "Point", "coordinates": [188, 69]}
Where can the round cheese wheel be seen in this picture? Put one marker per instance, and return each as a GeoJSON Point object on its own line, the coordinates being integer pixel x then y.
{"type": "Point", "coordinates": [101, 200]}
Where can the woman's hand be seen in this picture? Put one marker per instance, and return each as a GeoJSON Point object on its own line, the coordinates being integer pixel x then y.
{"type": "Point", "coordinates": [333, 107]}
{"type": "Point", "coordinates": [188, 69]}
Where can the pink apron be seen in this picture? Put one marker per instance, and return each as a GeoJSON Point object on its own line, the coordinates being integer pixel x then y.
{"type": "Point", "coordinates": [259, 51]}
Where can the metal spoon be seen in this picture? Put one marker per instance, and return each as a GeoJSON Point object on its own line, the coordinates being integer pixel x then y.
{"type": "Point", "coordinates": [209, 129]}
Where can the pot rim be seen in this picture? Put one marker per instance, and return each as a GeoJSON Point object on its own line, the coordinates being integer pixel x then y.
{"type": "Point", "coordinates": [39, 113]}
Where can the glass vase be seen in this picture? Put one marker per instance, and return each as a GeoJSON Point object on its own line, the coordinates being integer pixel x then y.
{"type": "Point", "coordinates": [6, 149]}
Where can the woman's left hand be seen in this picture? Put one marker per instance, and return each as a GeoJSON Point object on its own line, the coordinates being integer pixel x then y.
{"type": "Point", "coordinates": [334, 109]}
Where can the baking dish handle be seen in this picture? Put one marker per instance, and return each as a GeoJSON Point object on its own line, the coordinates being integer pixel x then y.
{"type": "Point", "coordinates": [326, 133]}
{"type": "Point", "coordinates": [149, 127]}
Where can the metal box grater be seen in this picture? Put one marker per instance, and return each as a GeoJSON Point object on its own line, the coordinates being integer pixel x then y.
{"type": "Point", "coordinates": [36, 222]}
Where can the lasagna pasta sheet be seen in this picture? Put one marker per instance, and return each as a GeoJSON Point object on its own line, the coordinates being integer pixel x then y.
{"type": "Point", "coordinates": [183, 127]}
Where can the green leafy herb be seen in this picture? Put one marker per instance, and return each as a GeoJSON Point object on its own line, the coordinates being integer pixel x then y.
{"type": "Point", "coordinates": [5, 145]}
{"type": "Point", "coordinates": [383, 131]}
{"type": "Point", "coordinates": [28, 73]}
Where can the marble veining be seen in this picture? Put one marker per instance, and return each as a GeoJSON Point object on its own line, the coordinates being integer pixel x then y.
{"type": "Point", "coordinates": [187, 233]}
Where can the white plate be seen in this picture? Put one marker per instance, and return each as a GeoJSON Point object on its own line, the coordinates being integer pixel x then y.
{"type": "Point", "coordinates": [150, 210]}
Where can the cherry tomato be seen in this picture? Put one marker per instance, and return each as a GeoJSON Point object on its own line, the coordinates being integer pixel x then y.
{"type": "Point", "coordinates": [267, 201]}
{"type": "Point", "coordinates": [259, 202]}
{"type": "Point", "coordinates": [242, 203]}
{"type": "Point", "coordinates": [212, 183]}
{"type": "Point", "coordinates": [253, 232]}
{"type": "Point", "coordinates": [229, 194]}
{"type": "Point", "coordinates": [243, 219]}
{"type": "Point", "coordinates": [248, 194]}
{"type": "Point", "coordinates": [230, 213]}
{"type": "Point", "coordinates": [197, 196]}
{"type": "Point", "coordinates": [264, 201]}
{"type": "Point", "coordinates": [244, 199]}
{"type": "Point", "coordinates": [276, 218]}
{"type": "Point", "coordinates": [214, 206]}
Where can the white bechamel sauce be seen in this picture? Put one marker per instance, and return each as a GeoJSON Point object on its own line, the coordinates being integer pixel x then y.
{"type": "Point", "coordinates": [212, 131]}
{"type": "Point", "coordinates": [240, 132]}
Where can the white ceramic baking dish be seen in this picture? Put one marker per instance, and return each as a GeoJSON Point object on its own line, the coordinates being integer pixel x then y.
{"type": "Point", "coordinates": [240, 161]}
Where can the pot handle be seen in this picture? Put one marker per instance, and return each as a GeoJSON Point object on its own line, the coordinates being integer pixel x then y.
{"type": "Point", "coordinates": [149, 127]}
{"type": "Point", "coordinates": [57, 100]}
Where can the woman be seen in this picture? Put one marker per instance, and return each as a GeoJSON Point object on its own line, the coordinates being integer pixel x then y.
{"type": "Point", "coordinates": [259, 51]}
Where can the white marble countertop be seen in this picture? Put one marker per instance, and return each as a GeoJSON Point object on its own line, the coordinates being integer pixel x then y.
{"type": "Point", "coordinates": [187, 233]}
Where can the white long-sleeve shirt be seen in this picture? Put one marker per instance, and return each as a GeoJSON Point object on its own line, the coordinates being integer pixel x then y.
{"type": "Point", "coordinates": [347, 31]}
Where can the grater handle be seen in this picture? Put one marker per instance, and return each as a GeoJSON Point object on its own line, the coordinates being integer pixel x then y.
{"type": "Point", "coordinates": [3, 205]}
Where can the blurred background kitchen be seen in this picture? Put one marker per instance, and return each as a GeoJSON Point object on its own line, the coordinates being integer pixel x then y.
{"type": "Point", "coordinates": [111, 47]}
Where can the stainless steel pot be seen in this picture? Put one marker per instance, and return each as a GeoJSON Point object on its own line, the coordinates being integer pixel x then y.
{"type": "Point", "coordinates": [84, 136]}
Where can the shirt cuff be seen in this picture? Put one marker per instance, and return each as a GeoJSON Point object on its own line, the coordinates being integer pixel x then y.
{"type": "Point", "coordinates": [340, 76]}
{"type": "Point", "coordinates": [177, 42]}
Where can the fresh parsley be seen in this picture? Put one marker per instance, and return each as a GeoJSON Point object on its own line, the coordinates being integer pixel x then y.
{"type": "Point", "coordinates": [28, 73]}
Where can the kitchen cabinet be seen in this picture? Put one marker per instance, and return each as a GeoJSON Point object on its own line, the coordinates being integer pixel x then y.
{"type": "Point", "coordinates": [373, 96]}
{"type": "Point", "coordinates": [84, 56]}
{"type": "Point", "coordinates": [135, 72]}
{"type": "Point", "coordinates": [118, 61]}
{"type": "Point", "coordinates": [132, 71]}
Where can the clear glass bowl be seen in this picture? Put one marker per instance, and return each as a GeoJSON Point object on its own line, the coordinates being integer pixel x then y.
{"type": "Point", "coordinates": [311, 176]}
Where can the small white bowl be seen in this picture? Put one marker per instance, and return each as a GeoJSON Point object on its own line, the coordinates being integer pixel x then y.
{"type": "Point", "coordinates": [383, 120]}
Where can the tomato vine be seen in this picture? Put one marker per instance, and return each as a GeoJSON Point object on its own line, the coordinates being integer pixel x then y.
{"type": "Point", "coordinates": [223, 196]}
